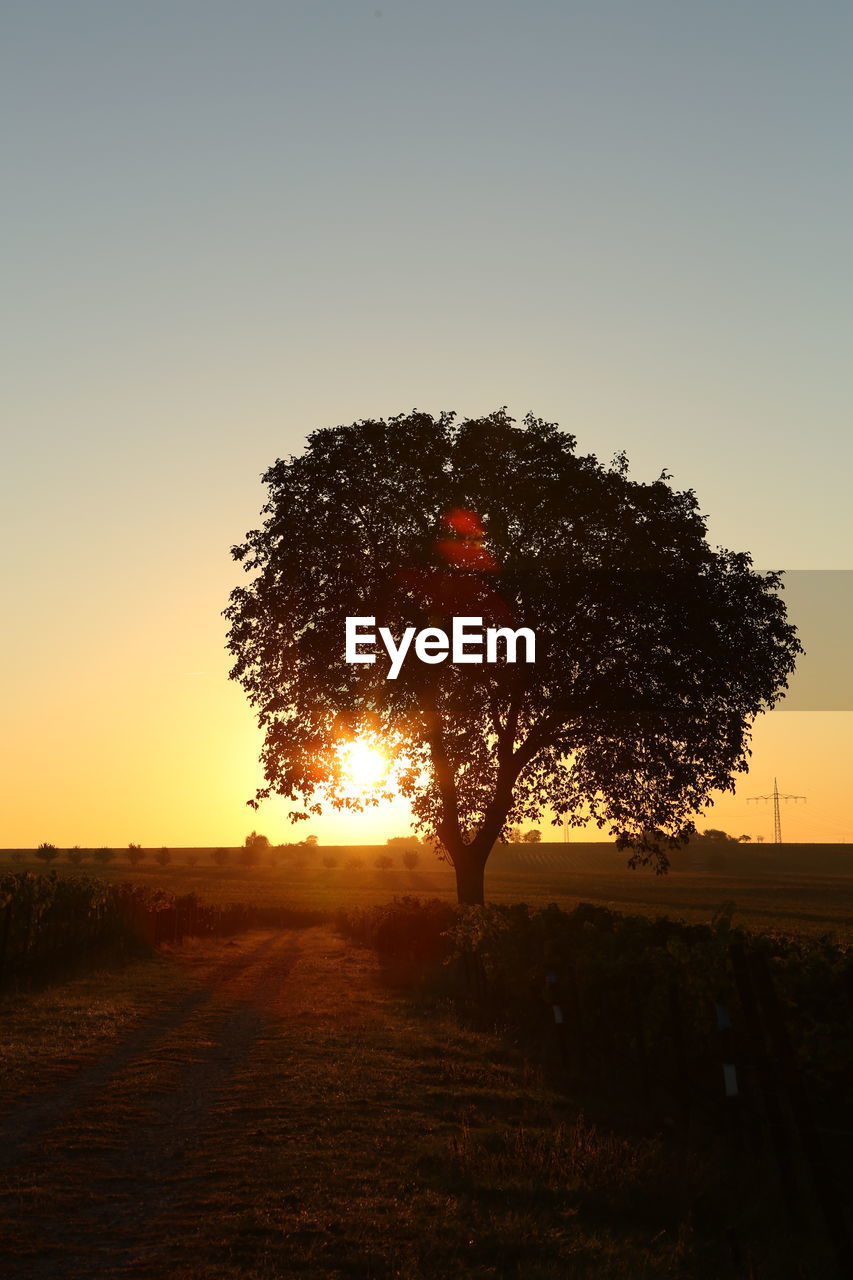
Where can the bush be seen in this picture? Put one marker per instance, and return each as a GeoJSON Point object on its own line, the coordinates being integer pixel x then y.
{"type": "Point", "coordinates": [163, 857]}
{"type": "Point", "coordinates": [75, 856]}
{"type": "Point", "coordinates": [134, 854]}
{"type": "Point", "coordinates": [383, 862]}
{"type": "Point", "coordinates": [409, 935]}
{"type": "Point", "coordinates": [410, 859]}
{"type": "Point", "coordinates": [103, 856]}
{"type": "Point", "coordinates": [47, 852]}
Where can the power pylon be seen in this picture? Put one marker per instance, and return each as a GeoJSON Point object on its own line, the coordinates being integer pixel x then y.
{"type": "Point", "coordinates": [775, 795]}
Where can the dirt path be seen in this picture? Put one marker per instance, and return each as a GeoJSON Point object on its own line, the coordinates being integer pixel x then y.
{"type": "Point", "coordinates": [277, 1112]}
{"type": "Point", "coordinates": [244, 1130]}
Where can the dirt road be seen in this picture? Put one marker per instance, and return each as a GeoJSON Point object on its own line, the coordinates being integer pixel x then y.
{"type": "Point", "coordinates": [267, 1108]}
{"type": "Point", "coordinates": [264, 1120]}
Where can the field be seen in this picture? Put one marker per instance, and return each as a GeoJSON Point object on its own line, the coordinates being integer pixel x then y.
{"type": "Point", "coordinates": [788, 888]}
{"type": "Point", "coordinates": [276, 1103]}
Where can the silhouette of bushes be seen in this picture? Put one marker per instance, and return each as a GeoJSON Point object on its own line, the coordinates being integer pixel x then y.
{"type": "Point", "coordinates": [51, 924]}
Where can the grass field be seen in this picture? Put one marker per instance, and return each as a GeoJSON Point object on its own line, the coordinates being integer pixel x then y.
{"type": "Point", "coordinates": [787, 888]}
{"type": "Point", "coordinates": [265, 1107]}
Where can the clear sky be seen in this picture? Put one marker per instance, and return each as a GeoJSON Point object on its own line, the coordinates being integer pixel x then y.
{"type": "Point", "coordinates": [226, 225]}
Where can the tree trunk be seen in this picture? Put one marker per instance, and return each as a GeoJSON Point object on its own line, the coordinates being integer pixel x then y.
{"type": "Point", "coordinates": [470, 867]}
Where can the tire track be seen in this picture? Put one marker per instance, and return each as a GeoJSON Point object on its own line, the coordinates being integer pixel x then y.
{"type": "Point", "coordinates": [34, 1116]}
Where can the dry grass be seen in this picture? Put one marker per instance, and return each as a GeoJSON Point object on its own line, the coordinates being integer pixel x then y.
{"type": "Point", "coordinates": [265, 1107]}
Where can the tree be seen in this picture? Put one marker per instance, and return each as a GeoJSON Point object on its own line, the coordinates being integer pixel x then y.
{"type": "Point", "coordinates": [411, 859]}
{"type": "Point", "coordinates": [47, 852]}
{"type": "Point", "coordinates": [259, 843]}
{"type": "Point", "coordinates": [163, 857]}
{"type": "Point", "coordinates": [134, 854]}
{"type": "Point", "coordinates": [75, 856]}
{"type": "Point", "coordinates": [104, 856]}
{"type": "Point", "coordinates": [654, 652]}
{"type": "Point", "coordinates": [533, 836]}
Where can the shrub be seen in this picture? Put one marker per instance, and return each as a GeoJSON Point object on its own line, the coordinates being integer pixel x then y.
{"type": "Point", "coordinates": [134, 854]}
{"type": "Point", "coordinates": [75, 856]}
{"type": "Point", "coordinates": [47, 852]}
{"type": "Point", "coordinates": [104, 856]}
{"type": "Point", "coordinates": [163, 857]}
{"type": "Point", "coordinates": [408, 934]}
{"type": "Point", "coordinates": [410, 859]}
{"type": "Point", "coordinates": [383, 862]}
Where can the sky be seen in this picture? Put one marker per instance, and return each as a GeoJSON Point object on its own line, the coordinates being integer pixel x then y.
{"type": "Point", "coordinates": [228, 225]}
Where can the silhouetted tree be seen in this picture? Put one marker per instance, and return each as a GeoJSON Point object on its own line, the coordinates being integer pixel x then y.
{"type": "Point", "coordinates": [104, 856]}
{"type": "Point", "coordinates": [411, 859]}
{"type": "Point", "coordinates": [259, 843]}
{"type": "Point", "coordinates": [47, 852]}
{"type": "Point", "coordinates": [533, 836]}
{"type": "Point", "coordinates": [134, 854]}
{"type": "Point", "coordinates": [75, 856]}
{"type": "Point", "coordinates": [163, 857]}
{"type": "Point", "coordinates": [654, 652]}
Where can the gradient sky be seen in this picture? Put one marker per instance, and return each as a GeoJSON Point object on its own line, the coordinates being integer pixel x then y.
{"type": "Point", "coordinates": [229, 224]}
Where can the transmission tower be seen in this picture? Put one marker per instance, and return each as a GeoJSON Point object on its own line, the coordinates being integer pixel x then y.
{"type": "Point", "coordinates": [776, 795]}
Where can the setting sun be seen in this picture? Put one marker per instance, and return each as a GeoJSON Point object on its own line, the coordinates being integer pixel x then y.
{"type": "Point", "coordinates": [365, 766]}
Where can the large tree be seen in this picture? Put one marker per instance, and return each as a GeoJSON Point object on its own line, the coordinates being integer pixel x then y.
{"type": "Point", "coordinates": [654, 652]}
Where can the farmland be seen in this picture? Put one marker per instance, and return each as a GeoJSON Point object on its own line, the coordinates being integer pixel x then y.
{"type": "Point", "coordinates": [789, 888]}
{"type": "Point", "coordinates": [184, 1110]}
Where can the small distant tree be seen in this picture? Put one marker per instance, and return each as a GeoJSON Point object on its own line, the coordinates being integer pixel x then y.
{"type": "Point", "coordinates": [163, 857]}
{"type": "Point", "coordinates": [515, 836]}
{"type": "Point", "coordinates": [410, 859]}
{"type": "Point", "coordinates": [220, 857]}
{"type": "Point", "coordinates": [744, 839]}
{"type": "Point", "coordinates": [47, 852]}
{"type": "Point", "coordinates": [104, 856]}
{"type": "Point", "coordinates": [354, 862]}
{"type": "Point", "coordinates": [134, 854]}
{"type": "Point", "coordinates": [192, 859]}
{"type": "Point", "coordinates": [533, 836]}
{"type": "Point", "coordinates": [330, 861]}
{"type": "Point", "coordinates": [311, 842]}
{"type": "Point", "coordinates": [383, 862]}
{"type": "Point", "coordinates": [75, 856]}
{"type": "Point", "coordinates": [257, 842]}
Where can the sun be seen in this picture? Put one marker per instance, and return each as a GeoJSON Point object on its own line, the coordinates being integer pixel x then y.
{"type": "Point", "coordinates": [365, 766]}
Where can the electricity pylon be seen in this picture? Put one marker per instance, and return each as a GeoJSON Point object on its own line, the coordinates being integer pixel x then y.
{"type": "Point", "coordinates": [776, 796]}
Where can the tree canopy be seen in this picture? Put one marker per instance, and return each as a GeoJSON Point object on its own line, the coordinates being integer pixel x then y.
{"type": "Point", "coordinates": [654, 651]}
